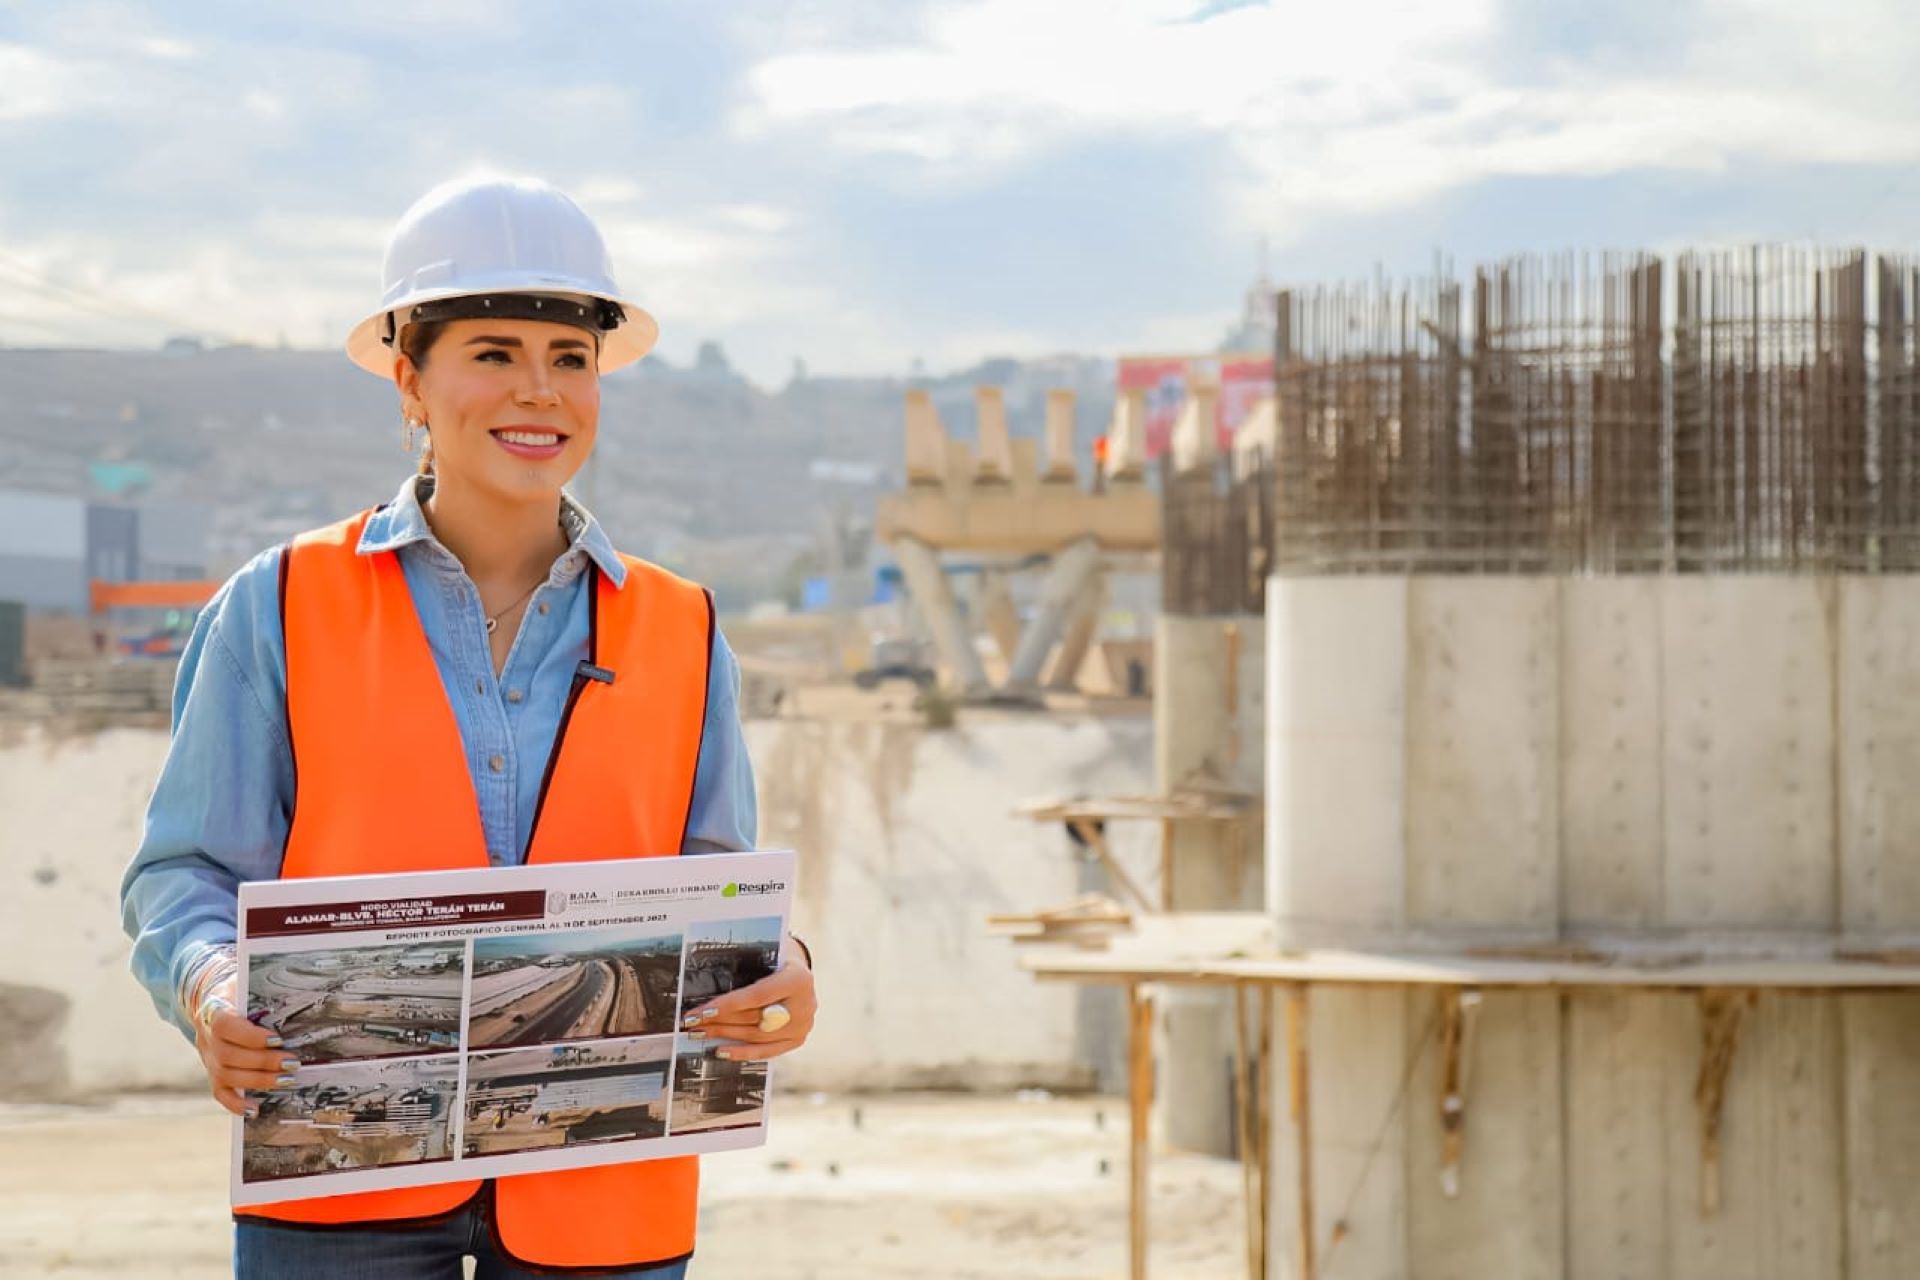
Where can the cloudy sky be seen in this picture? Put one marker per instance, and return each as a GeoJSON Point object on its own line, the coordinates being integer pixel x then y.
{"type": "Point", "coordinates": [860, 183]}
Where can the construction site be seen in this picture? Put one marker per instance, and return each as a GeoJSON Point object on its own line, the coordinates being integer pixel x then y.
{"type": "Point", "coordinates": [1484, 860]}
{"type": "Point", "coordinates": [572, 986]}
{"type": "Point", "coordinates": [360, 1002]}
{"type": "Point", "coordinates": [529, 1099]}
{"type": "Point", "coordinates": [362, 1115]}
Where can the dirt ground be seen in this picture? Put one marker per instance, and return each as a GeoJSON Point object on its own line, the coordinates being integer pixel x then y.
{"type": "Point", "coordinates": [937, 1188]}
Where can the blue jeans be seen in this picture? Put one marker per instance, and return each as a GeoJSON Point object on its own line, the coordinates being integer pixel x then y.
{"type": "Point", "coordinates": [427, 1251]}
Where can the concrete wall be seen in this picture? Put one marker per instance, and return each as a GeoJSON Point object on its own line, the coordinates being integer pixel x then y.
{"type": "Point", "coordinates": [1459, 760]}
{"type": "Point", "coordinates": [1696, 762]}
{"type": "Point", "coordinates": [906, 841]}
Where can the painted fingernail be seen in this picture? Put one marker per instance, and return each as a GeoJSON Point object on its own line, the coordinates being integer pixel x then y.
{"type": "Point", "coordinates": [691, 1020]}
{"type": "Point", "coordinates": [728, 1054]}
{"type": "Point", "coordinates": [709, 1013]}
{"type": "Point", "coordinates": [289, 1064]}
{"type": "Point", "coordinates": [696, 1035]}
{"type": "Point", "coordinates": [275, 1042]}
{"type": "Point", "coordinates": [283, 1082]}
{"type": "Point", "coordinates": [253, 1113]}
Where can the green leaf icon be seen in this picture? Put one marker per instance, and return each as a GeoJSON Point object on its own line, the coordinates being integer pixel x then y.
{"type": "Point", "coordinates": [730, 890]}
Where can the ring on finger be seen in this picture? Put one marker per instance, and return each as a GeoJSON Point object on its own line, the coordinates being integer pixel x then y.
{"type": "Point", "coordinates": [774, 1017]}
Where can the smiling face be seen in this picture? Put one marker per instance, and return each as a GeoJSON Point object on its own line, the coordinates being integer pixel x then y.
{"type": "Point", "coordinates": [512, 406]}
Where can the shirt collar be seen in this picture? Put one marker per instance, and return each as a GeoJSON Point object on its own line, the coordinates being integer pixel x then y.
{"type": "Point", "coordinates": [403, 522]}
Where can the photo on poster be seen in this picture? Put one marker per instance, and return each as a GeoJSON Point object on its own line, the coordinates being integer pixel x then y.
{"type": "Point", "coordinates": [710, 1093]}
{"type": "Point", "coordinates": [357, 1115]}
{"type": "Point", "coordinates": [583, 984]}
{"type": "Point", "coordinates": [725, 955]}
{"type": "Point", "coordinates": [360, 1002]}
{"type": "Point", "coordinates": [566, 1095]}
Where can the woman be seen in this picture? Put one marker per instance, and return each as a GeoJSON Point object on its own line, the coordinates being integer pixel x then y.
{"type": "Point", "coordinates": [468, 675]}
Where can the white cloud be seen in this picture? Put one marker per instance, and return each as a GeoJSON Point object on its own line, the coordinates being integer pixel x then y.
{"type": "Point", "coordinates": [35, 84]}
{"type": "Point", "coordinates": [756, 217]}
{"type": "Point", "coordinates": [1366, 105]}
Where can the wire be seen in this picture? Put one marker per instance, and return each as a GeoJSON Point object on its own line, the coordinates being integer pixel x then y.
{"type": "Point", "coordinates": [1338, 1231]}
{"type": "Point", "coordinates": [26, 275]}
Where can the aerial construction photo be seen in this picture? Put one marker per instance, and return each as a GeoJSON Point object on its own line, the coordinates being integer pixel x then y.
{"type": "Point", "coordinates": [579, 985]}
{"type": "Point", "coordinates": [566, 1094]}
{"type": "Point", "coordinates": [361, 1115]}
{"type": "Point", "coordinates": [360, 1002]}
{"type": "Point", "coordinates": [725, 955]}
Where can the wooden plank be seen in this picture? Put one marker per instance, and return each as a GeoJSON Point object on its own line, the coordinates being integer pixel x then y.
{"type": "Point", "coordinates": [1300, 1111]}
{"type": "Point", "coordinates": [1507, 1219]}
{"type": "Point", "coordinates": [1358, 1121]}
{"type": "Point", "coordinates": [1878, 678]}
{"type": "Point", "coordinates": [1750, 816]}
{"type": "Point", "coordinates": [1618, 1044]}
{"type": "Point", "coordinates": [1611, 791]}
{"type": "Point", "coordinates": [1483, 827]}
{"type": "Point", "coordinates": [1881, 1044]}
{"type": "Point", "coordinates": [1139, 1112]}
{"type": "Point", "coordinates": [1210, 948]}
{"type": "Point", "coordinates": [1781, 1199]}
{"type": "Point", "coordinates": [1336, 746]}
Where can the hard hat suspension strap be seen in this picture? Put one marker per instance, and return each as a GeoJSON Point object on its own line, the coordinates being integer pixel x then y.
{"type": "Point", "coordinates": [595, 315]}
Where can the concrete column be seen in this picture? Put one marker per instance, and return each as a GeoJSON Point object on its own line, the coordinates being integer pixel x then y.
{"type": "Point", "coordinates": [1209, 731]}
{"type": "Point", "coordinates": [1058, 466]}
{"type": "Point", "coordinates": [997, 610]}
{"type": "Point", "coordinates": [1127, 437]}
{"type": "Point", "coordinates": [1065, 581]}
{"type": "Point", "coordinates": [927, 584]}
{"type": "Point", "coordinates": [926, 441]}
{"type": "Point", "coordinates": [994, 464]}
{"type": "Point", "coordinates": [1081, 627]}
{"type": "Point", "coordinates": [1196, 432]}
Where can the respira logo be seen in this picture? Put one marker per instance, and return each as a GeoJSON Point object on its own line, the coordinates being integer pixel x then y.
{"type": "Point", "coordinates": [743, 886]}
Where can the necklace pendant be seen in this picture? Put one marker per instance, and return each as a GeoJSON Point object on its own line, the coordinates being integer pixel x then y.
{"type": "Point", "coordinates": [491, 624]}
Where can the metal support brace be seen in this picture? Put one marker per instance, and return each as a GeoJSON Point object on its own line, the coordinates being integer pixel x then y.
{"type": "Point", "coordinates": [927, 584]}
{"type": "Point", "coordinates": [1459, 1010]}
{"type": "Point", "coordinates": [1720, 1016]}
{"type": "Point", "coordinates": [1065, 581]}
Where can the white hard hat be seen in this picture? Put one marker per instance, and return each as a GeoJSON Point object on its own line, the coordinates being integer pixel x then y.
{"type": "Point", "coordinates": [515, 239]}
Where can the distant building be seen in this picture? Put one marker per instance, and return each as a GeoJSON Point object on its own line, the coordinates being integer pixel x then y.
{"type": "Point", "coordinates": [43, 551]}
{"type": "Point", "coordinates": [52, 544]}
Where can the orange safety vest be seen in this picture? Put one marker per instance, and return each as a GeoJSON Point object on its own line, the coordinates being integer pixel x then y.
{"type": "Point", "coordinates": [361, 680]}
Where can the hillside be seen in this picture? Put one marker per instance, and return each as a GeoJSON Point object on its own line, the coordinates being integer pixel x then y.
{"type": "Point", "coordinates": [692, 463]}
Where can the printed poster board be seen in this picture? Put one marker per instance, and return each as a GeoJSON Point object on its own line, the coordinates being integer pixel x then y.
{"type": "Point", "coordinates": [475, 1024]}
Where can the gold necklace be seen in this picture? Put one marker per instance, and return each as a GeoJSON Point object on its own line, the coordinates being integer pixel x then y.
{"type": "Point", "coordinates": [494, 621]}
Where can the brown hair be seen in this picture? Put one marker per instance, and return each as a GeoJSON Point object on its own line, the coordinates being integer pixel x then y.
{"type": "Point", "coordinates": [416, 340]}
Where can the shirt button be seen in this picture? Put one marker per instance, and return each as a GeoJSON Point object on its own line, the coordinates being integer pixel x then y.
{"type": "Point", "coordinates": [544, 608]}
{"type": "Point", "coordinates": [478, 686]}
{"type": "Point", "coordinates": [514, 695]}
{"type": "Point", "coordinates": [496, 763]}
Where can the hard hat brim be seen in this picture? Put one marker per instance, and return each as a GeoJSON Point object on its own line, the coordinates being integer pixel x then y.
{"type": "Point", "coordinates": [619, 347]}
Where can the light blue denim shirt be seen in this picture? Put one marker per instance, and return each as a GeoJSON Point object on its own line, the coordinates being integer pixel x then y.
{"type": "Point", "coordinates": [219, 812]}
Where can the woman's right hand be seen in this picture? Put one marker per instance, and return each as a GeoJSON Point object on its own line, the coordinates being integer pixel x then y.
{"type": "Point", "coordinates": [236, 1054]}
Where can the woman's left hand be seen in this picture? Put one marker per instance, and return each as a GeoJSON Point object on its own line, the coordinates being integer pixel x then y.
{"type": "Point", "coordinates": [735, 1016]}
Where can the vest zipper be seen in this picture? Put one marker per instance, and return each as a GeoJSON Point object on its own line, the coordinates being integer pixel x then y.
{"type": "Point", "coordinates": [553, 760]}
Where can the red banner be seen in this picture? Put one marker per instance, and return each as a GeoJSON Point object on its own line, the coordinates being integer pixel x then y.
{"type": "Point", "coordinates": [1243, 381]}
